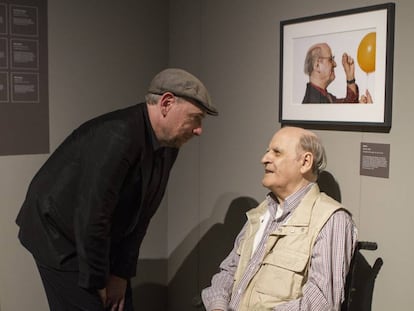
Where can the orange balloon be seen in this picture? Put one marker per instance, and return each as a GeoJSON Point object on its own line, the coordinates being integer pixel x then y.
{"type": "Point", "coordinates": [366, 52]}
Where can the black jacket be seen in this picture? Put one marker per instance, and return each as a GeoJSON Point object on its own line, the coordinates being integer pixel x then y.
{"type": "Point", "coordinates": [313, 95]}
{"type": "Point", "coordinates": [88, 207]}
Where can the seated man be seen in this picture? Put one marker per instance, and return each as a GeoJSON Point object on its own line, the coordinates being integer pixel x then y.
{"type": "Point", "coordinates": [295, 249]}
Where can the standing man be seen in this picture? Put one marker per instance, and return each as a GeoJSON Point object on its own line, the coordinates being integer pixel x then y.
{"type": "Point", "coordinates": [88, 208]}
{"type": "Point", "coordinates": [294, 252]}
{"type": "Point", "coordinates": [320, 67]}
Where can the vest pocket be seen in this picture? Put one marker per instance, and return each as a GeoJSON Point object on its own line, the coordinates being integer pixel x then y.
{"type": "Point", "coordinates": [281, 275]}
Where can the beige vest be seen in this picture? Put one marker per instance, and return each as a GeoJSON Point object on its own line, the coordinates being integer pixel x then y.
{"type": "Point", "coordinates": [288, 250]}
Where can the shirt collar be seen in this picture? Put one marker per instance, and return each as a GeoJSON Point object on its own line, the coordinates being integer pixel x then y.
{"type": "Point", "coordinates": [289, 204]}
{"type": "Point", "coordinates": [154, 141]}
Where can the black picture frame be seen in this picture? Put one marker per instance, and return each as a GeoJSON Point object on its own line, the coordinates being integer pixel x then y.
{"type": "Point", "coordinates": [344, 31]}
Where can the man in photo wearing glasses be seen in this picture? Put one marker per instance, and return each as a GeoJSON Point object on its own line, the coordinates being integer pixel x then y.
{"type": "Point", "coordinates": [320, 66]}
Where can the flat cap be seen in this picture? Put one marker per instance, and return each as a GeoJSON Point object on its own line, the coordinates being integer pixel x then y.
{"type": "Point", "coordinates": [184, 84]}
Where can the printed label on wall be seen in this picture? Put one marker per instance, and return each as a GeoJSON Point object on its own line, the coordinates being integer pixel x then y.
{"type": "Point", "coordinates": [24, 99]}
{"type": "Point", "coordinates": [375, 160]}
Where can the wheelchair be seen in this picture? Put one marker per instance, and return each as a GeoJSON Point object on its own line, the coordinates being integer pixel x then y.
{"type": "Point", "coordinates": [359, 285]}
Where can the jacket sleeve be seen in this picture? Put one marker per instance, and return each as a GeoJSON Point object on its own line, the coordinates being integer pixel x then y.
{"type": "Point", "coordinates": [104, 166]}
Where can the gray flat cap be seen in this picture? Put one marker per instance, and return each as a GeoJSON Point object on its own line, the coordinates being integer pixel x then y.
{"type": "Point", "coordinates": [182, 83]}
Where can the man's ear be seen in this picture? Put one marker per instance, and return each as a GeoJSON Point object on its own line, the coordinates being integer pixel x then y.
{"type": "Point", "coordinates": [166, 101]}
{"type": "Point", "coordinates": [307, 162]}
{"type": "Point", "coordinates": [316, 65]}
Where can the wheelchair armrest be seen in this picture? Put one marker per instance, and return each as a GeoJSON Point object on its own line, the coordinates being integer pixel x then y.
{"type": "Point", "coordinates": [372, 246]}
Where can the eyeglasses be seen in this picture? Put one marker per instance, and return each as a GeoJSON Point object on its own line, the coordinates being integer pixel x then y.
{"type": "Point", "coordinates": [330, 58]}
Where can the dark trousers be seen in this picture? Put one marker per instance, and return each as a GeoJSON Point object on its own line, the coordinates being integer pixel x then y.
{"type": "Point", "coordinates": [64, 294]}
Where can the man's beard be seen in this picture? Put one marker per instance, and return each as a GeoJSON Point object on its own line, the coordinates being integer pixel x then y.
{"type": "Point", "coordinates": [174, 142]}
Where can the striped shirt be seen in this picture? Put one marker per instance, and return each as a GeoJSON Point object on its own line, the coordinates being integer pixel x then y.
{"type": "Point", "coordinates": [324, 289]}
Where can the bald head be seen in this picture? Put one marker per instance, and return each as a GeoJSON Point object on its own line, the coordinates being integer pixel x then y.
{"type": "Point", "coordinates": [294, 158]}
{"type": "Point", "coordinates": [307, 141]}
{"type": "Point", "coordinates": [320, 64]}
{"type": "Point", "coordinates": [315, 51]}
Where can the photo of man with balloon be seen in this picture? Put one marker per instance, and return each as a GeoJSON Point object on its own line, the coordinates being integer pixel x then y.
{"type": "Point", "coordinates": [320, 64]}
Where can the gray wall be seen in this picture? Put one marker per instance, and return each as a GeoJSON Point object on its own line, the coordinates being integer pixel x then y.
{"type": "Point", "coordinates": [236, 52]}
{"type": "Point", "coordinates": [101, 56]}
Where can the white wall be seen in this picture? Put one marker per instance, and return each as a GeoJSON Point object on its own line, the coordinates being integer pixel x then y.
{"type": "Point", "coordinates": [102, 55]}
{"type": "Point", "coordinates": [237, 54]}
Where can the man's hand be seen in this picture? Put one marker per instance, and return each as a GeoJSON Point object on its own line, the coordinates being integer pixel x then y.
{"type": "Point", "coordinates": [349, 66]}
{"type": "Point", "coordinates": [102, 294]}
{"type": "Point", "coordinates": [113, 296]}
{"type": "Point", "coordinates": [366, 99]}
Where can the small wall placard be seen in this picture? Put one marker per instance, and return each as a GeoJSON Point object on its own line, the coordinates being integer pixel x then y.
{"type": "Point", "coordinates": [375, 160]}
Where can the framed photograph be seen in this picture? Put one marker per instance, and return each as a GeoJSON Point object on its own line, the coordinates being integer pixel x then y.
{"type": "Point", "coordinates": [336, 70]}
